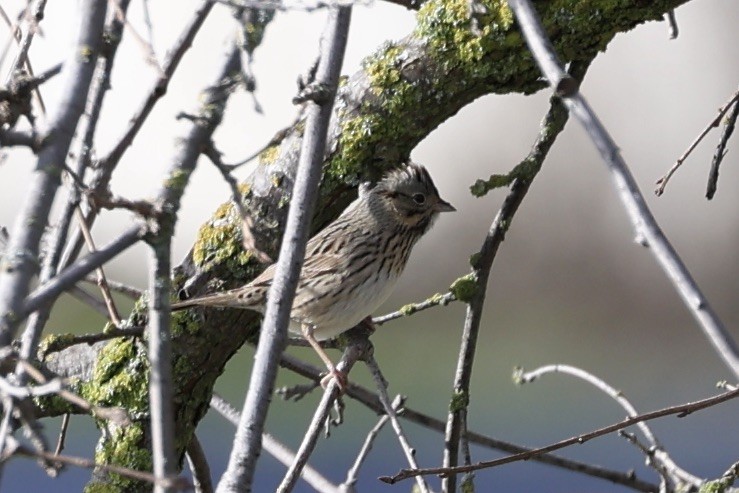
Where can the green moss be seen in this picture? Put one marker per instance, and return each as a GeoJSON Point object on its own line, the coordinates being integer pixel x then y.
{"type": "Point", "coordinates": [463, 41]}
{"type": "Point", "coordinates": [716, 486]}
{"type": "Point", "coordinates": [177, 180]}
{"type": "Point", "coordinates": [123, 446]}
{"type": "Point", "coordinates": [460, 401]}
{"type": "Point", "coordinates": [185, 322]}
{"type": "Point", "coordinates": [464, 288]}
{"type": "Point", "coordinates": [269, 155]}
{"type": "Point", "coordinates": [525, 170]}
{"type": "Point", "coordinates": [408, 309]}
{"type": "Point", "coordinates": [53, 342]}
{"type": "Point", "coordinates": [467, 485]}
{"type": "Point", "coordinates": [218, 244]}
{"type": "Point", "coordinates": [120, 378]}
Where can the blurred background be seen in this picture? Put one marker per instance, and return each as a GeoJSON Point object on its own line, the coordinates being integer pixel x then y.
{"type": "Point", "coordinates": [569, 284]}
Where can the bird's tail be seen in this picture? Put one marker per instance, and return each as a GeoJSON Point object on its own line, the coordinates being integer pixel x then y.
{"type": "Point", "coordinates": [224, 300]}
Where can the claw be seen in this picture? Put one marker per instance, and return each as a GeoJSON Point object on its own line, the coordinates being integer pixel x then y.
{"type": "Point", "coordinates": [339, 377]}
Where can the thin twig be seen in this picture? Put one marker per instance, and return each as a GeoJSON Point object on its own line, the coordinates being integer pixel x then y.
{"type": "Point", "coordinates": [352, 475]}
{"type": "Point", "coordinates": [647, 230]}
{"type": "Point", "coordinates": [102, 282]}
{"type": "Point", "coordinates": [15, 448]}
{"type": "Point", "coordinates": [80, 269]}
{"type": "Point", "coordinates": [661, 460]}
{"type": "Point", "coordinates": [60, 343]}
{"type": "Point", "coordinates": [276, 449]}
{"type": "Point", "coordinates": [107, 164]}
{"type": "Point", "coordinates": [23, 247]}
{"type": "Point", "coordinates": [720, 152]}
{"type": "Point", "coordinates": [247, 223]}
{"type": "Point", "coordinates": [62, 434]}
{"type": "Point", "coordinates": [247, 442]}
{"type": "Point", "coordinates": [88, 299]}
{"type": "Point", "coordinates": [663, 473]}
{"type": "Point", "coordinates": [24, 44]}
{"type": "Point", "coordinates": [146, 47]}
{"type": "Point", "coordinates": [119, 287]}
{"type": "Point", "coordinates": [198, 463]}
{"type": "Point", "coordinates": [408, 451]}
{"type": "Point", "coordinates": [680, 410]}
{"type": "Point", "coordinates": [372, 401]}
{"type": "Point", "coordinates": [662, 182]}
{"type": "Point", "coordinates": [358, 347]}
{"type": "Point", "coordinates": [291, 5]}
{"type": "Point", "coordinates": [86, 129]}
{"type": "Point", "coordinates": [117, 415]}
{"type": "Point", "coordinates": [551, 126]}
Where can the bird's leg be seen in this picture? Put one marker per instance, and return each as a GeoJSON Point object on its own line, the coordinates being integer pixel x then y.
{"type": "Point", "coordinates": [333, 372]}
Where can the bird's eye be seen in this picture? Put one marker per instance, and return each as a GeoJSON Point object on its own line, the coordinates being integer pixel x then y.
{"type": "Point", "coordinates": [419, 198]}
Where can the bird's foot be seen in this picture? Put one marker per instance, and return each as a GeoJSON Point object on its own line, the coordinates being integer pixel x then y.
{"type": "Point", "coordinates": [338, 376]}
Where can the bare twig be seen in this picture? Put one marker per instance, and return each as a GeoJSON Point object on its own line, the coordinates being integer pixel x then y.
{"type": "Point", "coordinates": [80, 269]}
{"type": "Point", "coordinates": [15, 448]}
{"type": "Point", "coordinates": [160, 357]}
{"type": "Point", "coordinates": [247, 442]}
{"type": "Point", "coordinates": [408, 451]}
{"type": "Point", "coordinates": [718, 156]}
{"type": "Point", "coordinates": [358, 347]}
{"type": "Point", "coordinates": [9, 138]}
{"type": "Point", "coordinates": [372, 401]}
{"type": "Point", "coordinates": [679, 410]}
{"type": "Point", "coordinates": [119, 287]}
{"type": "Point", "coordinates": [24, 44]}
{"type": "Point", "coordinates": [62, 434]}
{"type": "Point", "coordinates": [56, 344]}
{"type": "Point", "coordinates": [352, 475]}
{"type": "Point", "coordinates": [659, 458]}
{"type": "Point", "coordinates": [647, 230]}
{"type": "Point", "coordinates": [102, 281]}
{"type": "Point", "coordinates": [107, 164]}
{"type": "Point", "coordinates": [145, 46]}
{"type": "Point", "coordinates": [22, 252]}
{"type": "Point", "coordinates": [551, 126]}
{"type": "Point", "coordinates": [86, 128]}
{"type": "Point", "coordinates": [198, 463]}
{"type": "Point", "coordinates": [276, 449]}
{"type": "Point", "coordinates": [662, 182]}
{"type": "Point", "coordinates": [116, 415]}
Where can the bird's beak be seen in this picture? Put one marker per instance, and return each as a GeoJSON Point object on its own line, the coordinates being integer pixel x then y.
{"type": "Point", "coordinates": [444, 206]}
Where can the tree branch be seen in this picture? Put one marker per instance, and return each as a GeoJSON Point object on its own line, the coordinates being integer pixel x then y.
{"type": "Point", "coordinates": [647, 230]}
{"type": "Point", "coordinates": [248, 440]}
{"type": "Point", "coordinates": [679, 410]}
{"type": "Point", "coordinates": [551, 126]}
{"type": "Point", "coordinates": [20, 263]}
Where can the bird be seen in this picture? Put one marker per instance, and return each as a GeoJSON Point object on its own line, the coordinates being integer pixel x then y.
{"type": "Point", "coordinates": [353, 264]}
